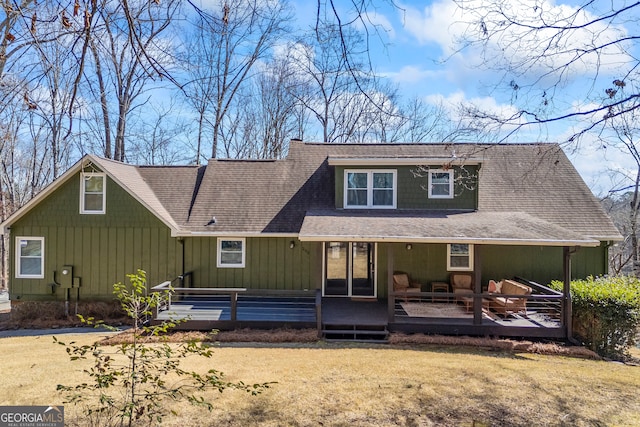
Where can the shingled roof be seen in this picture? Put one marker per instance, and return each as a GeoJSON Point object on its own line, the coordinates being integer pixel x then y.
{"type": "Point", "coordinates": [528, 194]}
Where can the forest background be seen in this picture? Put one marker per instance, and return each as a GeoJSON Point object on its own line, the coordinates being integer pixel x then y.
{"type": "Point", "coordinates": [163, 82]}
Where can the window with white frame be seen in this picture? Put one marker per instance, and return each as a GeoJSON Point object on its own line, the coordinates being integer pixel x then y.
{"type": "Point", "coordinates": [29, 257]}
{"type": "Point", "coordinates": [370, 188]}
{"type": "Point", "coordinates": [459, 257]}
{"type": "Point", "coordinates": [231, 253]}
{"type": "Point", "coordinates": [440, 184]}
{"type": "Point", "coordinates": [92, 193]}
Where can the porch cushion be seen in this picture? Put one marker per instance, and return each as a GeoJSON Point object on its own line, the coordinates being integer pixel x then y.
{"type": "Point", "coordinates": [495, 287]}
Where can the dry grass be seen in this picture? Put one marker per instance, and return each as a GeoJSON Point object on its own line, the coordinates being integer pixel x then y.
{"type": "Point", "coordinates": [358, 385]}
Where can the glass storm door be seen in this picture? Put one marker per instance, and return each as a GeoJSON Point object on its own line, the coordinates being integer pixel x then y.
{"type": "Point", "coordinates": [362, 269]}
{"type": "Point", "coordinates": [349, 269]}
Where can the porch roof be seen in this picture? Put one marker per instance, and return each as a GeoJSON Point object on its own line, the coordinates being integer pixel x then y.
{"type": "Point", "coordinates": [500, 228]}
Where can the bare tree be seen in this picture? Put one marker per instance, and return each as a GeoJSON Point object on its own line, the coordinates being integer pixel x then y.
{"type": "Point", "coordinates": [334, 98]}
{"type": "Point", "coordinates": [228, 43]}
{"type": "Point", "coordinates": [540, 48]}
{"type": "Point", "coordinates": [123, 67]}
{"type": "Point", "coordinates": [157, 137]}
{"type": "Point", "coordinates": [623, 134]}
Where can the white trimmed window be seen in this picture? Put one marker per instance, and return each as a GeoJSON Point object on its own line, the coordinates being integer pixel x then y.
{"type": "Point", "coordinates": [440, 184]}
{"type": "Point", "coordinates": [30, 257]}
{"type": "Point", "coordinates": [370, 188]}
{"type": "Point", "coordinates": [92, 193]}
{"type": "Point", "coordinates": [231, 253]}
{"type": "Point", "coordinates": [459, 257]}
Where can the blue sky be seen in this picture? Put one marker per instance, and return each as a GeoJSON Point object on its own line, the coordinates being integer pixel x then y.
{"type": "Point", "coordinates": [415, 49]}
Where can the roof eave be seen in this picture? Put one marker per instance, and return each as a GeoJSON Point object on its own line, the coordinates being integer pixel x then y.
{"type": "Point", "coordinates": [453, 239]}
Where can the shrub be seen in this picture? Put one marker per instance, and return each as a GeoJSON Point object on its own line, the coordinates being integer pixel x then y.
{"type": "Point", "coordinates": [134, 382]}
{"type": "Point", "coordinates": [606, 313]}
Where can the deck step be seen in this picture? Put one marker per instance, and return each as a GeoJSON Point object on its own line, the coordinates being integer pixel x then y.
{"type": "Point", "coordinates": [355, 333]}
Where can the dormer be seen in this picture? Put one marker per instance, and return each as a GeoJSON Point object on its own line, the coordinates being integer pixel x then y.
{"type": "Point", "coordinates": [405, 183]}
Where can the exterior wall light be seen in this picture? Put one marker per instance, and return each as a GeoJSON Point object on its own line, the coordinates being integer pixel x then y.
{"type": "Point", "coordinates": [409, 246]}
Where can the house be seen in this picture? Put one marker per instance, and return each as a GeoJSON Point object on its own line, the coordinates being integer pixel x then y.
{"type": "Point", "coordinates": [315, 239]}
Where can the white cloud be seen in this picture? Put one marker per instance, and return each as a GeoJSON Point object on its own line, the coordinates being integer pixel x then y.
{"type": "Point", "coordinates": [435, 23]}
{"type": "Point", "coordinates": [486, 104]}
{"type": "Point", "coordinates": [411, 74]}
{"type": "Point", "coordinates": [445, 24]}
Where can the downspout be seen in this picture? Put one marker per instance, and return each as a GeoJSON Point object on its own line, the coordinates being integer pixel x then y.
{"type": "Point", "coordinates": [182, 250]}
{"type": "Point", "coordinates": [568, 308]}
{"type": "Point", "coordinates": [607, 245]}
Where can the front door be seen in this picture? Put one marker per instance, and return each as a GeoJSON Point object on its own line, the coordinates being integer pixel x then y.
{"type": "Point", "coordinates": [350, 269]}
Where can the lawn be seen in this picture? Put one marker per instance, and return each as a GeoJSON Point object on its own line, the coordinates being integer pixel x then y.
{"type": "Point", "coordinates": [355, 385]}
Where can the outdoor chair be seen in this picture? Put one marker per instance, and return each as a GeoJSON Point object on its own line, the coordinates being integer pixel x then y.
{"type": "Point", "coordinates": [461, 284]}
{"type": "Point", "coordinates": [402, 283]}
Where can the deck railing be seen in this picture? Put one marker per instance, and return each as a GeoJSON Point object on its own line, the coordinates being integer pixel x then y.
{"type": "Point", "coordinates": [548, 304]}
{"type": "Point", "coordinates": [178, 292]}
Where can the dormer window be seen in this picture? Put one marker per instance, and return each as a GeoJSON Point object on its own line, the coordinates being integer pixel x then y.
{"type": "Point", "coordinates": [370, 189]}
{"type": "Point", "coordinates": [440, 184]}
{"type": "Point", "coordinates": [92, 193]}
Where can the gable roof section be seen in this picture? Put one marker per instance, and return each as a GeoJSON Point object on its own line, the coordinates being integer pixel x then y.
{"type": "Point", "coordinates": [540, 180]}
{"type": "Point", "coordinates": [126, 176]}
{"type": "Point", "coordinates": [254, 197]}
{"type": "Point", "coordinates": [528, 193]}
{"type": "Point", "coordinates": [522, 187]}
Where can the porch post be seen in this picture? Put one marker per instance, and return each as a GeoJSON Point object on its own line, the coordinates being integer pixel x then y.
{"type": "Point", "coordinates": [234, 306]}
{"type": "Point", "coordinates": [567, 309]}
{"type": "Point", "coordinates": [391, 299]}
{"type": "Point", "coordinates": [477, 288]}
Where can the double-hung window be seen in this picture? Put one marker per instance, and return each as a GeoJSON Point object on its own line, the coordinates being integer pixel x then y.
{"type": "Point", "coordinates": [92, 193]}
{"type": "Point", "coordinates": [440, 184]}
{"type": "Point", "coordinates": [370, 188]}
{"type": "Point", "coordinates": [30, 257]}
{"type": "Point", "coordinates": [459, 257]}
{"type": "Point", "coordinates": [231, 253]}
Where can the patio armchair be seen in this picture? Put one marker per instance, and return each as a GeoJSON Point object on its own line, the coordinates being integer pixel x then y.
{"type": "Point", "coordinates": [461, 285]}
{"type": "Point", "coordinates": [402, 283]}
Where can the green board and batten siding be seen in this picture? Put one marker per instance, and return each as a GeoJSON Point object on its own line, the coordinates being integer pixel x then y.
{"type": "Point", "coordinates": [271, 264]}
{"type": "Point", "coordinates": [427, 263]}
{"type": "Point", "coordinates": [102, 249]}
{"type": "Point", "coordinates": [412, 189]}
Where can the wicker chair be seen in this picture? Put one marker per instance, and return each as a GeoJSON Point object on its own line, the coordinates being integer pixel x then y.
{"type": "Point", "coordinates": [402, 283]}
{"type": "Point", "coordinates": [461, 284]}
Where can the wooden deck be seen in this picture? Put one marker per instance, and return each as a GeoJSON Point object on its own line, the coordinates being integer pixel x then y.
{"type": "Point", "coordinates": [215, 311]}
{"type": "Point", "coordinates": [348, 319]}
